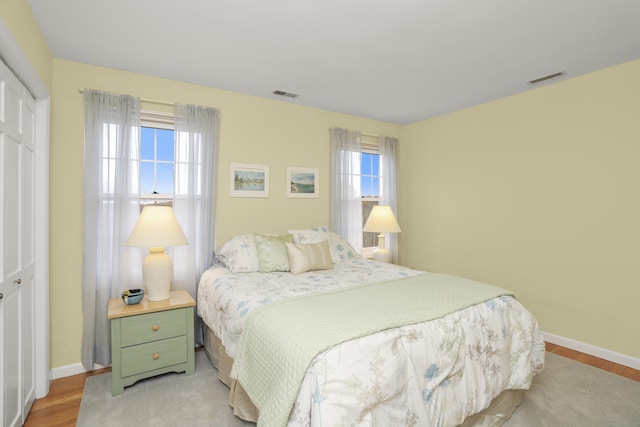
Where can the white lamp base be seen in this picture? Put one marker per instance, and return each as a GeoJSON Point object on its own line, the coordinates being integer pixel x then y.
{"type": "Point", "coordinates": [381, 254]}
{"type": "Point", "coordinates": [157, 273]}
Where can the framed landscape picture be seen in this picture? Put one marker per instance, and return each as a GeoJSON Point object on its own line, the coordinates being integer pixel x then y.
{"type": "Point", "coordinates": [303, 182]}
{"type": "Point", "coordinates": [249, 180]}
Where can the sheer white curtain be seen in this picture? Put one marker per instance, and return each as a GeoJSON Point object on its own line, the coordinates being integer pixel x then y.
{"type": "Point", "coordinates": [388, 149]}
{"type": "Point", "coordinates": [346, 192]}
{"type": "Point", "coordinates": [111, 208]}
{"type": "Point", "coordinates": [196, 156]}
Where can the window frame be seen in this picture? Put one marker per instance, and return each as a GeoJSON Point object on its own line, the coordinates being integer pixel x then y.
{"type": "Point", "coordinates": [157, 120]}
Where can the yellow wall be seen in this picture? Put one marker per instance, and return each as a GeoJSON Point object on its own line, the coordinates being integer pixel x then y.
{"type": "Point", "coordinates": [253, 130]}
{"type": "Point", "coordinates": [538, 193]}
{"type": "Point", "coordinates": [18, 18]}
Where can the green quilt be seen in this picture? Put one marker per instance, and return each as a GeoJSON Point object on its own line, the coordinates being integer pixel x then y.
{"type": "Point", "coordinates": [280, 340]}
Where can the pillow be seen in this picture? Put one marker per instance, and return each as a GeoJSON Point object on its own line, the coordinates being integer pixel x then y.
{"type": "Point", "coordinates": [239, 254]}
{"type": "Point", "coordinates": [314, 235]}
{"type": "Point", "coordinates": [272, 254]}
{"type": "Point", "coordinates": [341, 246]}
{"type": "Point", "coordinates": [314, 256]}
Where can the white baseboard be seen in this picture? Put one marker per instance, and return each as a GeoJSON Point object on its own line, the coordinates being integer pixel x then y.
{"type": "Point", "coordinates": [68, 370]}
{"type": "Point", "coordinates": [602, 353]}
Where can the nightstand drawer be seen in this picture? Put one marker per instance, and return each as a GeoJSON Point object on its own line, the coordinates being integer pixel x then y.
{"type": "Point", "coordinates": [151, 338]}
{"type": "Point", "coordinates": [152, 327]}
{"type": "Point", "coordinates": [153, 355]}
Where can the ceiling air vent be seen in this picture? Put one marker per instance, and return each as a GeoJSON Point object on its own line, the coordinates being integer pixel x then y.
{"type": "Point", "coordinates": [546, 78]}
{"type": "Point", "coordinates": [283, 93]}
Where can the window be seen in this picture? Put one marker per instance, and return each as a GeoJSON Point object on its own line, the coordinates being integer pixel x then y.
{"type": "Point", "coordinates": [364, 174]}
{"type": "Point", "coordinates": [370, 181]}
{"type": "Point", "coordinates": [370, 188]}
{"type": "Point", "coordinates": [370, 170]}
{"type": "Point", "coordinates": [157, 158]}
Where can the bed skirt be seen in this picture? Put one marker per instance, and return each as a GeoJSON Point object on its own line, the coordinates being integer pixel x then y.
{"type": "Point", "coordinates": [495, 415]}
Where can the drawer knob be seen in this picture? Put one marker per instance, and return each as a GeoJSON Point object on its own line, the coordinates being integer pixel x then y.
{"type": "Point", "coordinates": [156, 356]}
{"type": "Point", "coordinates": [155, 327]}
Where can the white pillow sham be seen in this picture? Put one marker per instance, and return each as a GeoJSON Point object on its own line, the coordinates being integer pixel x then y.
{"type": "Point", "coordinates": [240, 254]}
{"type": "Point", "coordinates": [341, 246]}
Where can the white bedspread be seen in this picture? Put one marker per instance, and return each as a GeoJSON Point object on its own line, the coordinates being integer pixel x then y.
{"type": "Point", "coordinates": [433, 373]}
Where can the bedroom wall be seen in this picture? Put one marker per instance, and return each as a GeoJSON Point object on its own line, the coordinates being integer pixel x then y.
{"type": "Point", "coordinates": [18, 18]}
{"type": "Point", "coordinates": [253, 130]}
{"type": "Point", "coordinates": [537, 193]}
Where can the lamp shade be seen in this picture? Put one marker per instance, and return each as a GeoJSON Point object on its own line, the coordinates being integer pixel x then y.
{"type": "Point", "coordinates": [157, 226]}
{"type": "Point", "coordinates": [382, 220]}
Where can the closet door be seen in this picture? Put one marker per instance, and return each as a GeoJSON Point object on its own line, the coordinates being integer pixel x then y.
{"type": "Point", "coordinates": [17, 260]}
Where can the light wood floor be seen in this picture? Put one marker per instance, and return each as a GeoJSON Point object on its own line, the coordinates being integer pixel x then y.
{"type": "Point", "coordinates": [60, 407]}
{"type": "Point", "coordinates": [621, 370]}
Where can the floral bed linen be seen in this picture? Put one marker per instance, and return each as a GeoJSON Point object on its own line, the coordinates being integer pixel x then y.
{"type": "Point", "coordinates": [225, 298]}
{"type": "Point", "coordinates": [432, 373]}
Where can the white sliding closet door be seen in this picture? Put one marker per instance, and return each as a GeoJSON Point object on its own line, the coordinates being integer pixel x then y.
{"type": "Point", "coordinates": [17, 249]}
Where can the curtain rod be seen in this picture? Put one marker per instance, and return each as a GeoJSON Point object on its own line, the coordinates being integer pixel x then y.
{"type": "Point", "coordinates": [151, 101]}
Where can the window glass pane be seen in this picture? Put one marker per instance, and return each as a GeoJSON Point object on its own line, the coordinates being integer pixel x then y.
{"type": "Point", "coordinates": [366, 164]}
{"type": "Point", "coordinates": [370, 181]}
{"type": "Point", "coordinates": [164, 178]}
{"type": "Point", "coordinates": [146, 146]}
{"type": "Point", "coordinates": [146, 177]}
{"type": "Point", "coordinates": [366, 186]}
{"type": "Point", "coordinates": [157, 157]}
{"type": "Point", "coordinates": [165, 144]}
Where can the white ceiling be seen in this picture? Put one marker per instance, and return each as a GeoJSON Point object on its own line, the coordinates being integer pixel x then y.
{"type": "Point", "coordinates": [398, 61]}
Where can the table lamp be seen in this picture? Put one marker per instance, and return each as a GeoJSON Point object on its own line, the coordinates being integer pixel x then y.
{"type": "Point", "coordinates": [157, 227]}
{"type": "Point", "coordinates": [382, 220]}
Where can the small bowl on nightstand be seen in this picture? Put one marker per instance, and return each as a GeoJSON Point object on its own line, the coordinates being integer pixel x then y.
{"type": "Point", "coordinates": [132, 296]}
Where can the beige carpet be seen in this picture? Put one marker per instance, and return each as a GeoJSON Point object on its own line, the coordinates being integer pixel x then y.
{"type": "Point", "coordinates": [566, 393]}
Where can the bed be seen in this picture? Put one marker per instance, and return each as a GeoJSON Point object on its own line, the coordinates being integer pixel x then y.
{"type": "Point", "coordinates": [467, 365]}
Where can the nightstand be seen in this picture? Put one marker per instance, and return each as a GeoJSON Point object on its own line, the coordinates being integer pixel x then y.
{"type": "Point", "coordinates": [151, 338]}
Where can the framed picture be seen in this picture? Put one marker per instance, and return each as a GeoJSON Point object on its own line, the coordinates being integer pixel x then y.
{"type": "Point", "coordinates": [249, 180]}
{"type": "Point", "coordinates": [303, 182]}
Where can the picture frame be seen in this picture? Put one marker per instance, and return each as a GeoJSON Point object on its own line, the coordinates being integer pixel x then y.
{"type": "Point", "coordinates": [303, 182]}
{"type": "Point", "coordinates": [248, 180]}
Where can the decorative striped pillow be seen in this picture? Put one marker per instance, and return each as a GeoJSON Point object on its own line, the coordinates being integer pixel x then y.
{"type": "Point", "coordinates": [313, 256]}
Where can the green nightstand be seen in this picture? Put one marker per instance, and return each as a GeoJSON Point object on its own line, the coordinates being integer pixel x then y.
{"type": "Point", "coordinates": [151, 338]}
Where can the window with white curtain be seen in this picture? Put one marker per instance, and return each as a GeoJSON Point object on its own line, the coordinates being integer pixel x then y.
{"type": "Point", "coordinates": [176, 164]}
{"type": "Point", "coordinates": [363, 175]}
